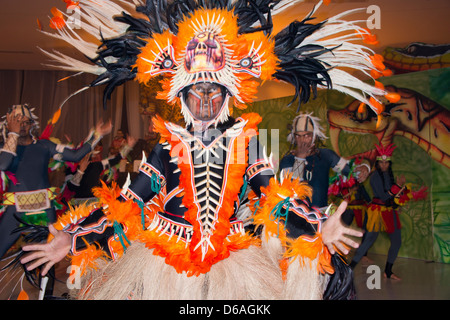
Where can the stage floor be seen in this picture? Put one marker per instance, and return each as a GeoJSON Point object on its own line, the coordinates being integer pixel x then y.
{"type": "Point", "coordinates": [420, 280]}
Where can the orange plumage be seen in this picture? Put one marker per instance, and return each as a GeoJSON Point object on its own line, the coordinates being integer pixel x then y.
{"type": "Point", "coordinates": [305, 246]}
{"type": "Point", "coordinates": [239, 47]}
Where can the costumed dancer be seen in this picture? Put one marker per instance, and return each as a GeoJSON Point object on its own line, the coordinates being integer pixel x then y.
{"type": "Point", "coordinates": [173, 232]}
{"type": "Point", "coordinates": [90, 170]}
{"type": "Point", "coordinates": [30, 197]}
{"type": "Point", "coordinates": [312, 164]}
{"type": "Point", "coordinates": [383, 211]}
{"type": "Point", "coordinates": [350, 188]}
{"type": "Point", "coordinates": [358, 201]}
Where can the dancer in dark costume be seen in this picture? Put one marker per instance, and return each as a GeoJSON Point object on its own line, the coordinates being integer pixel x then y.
{"type": "Point", "coordinates": [311, 163]}
{"type": "Point", "coordinates": [27, 159]}
{"type": "Point", "coordinates": [383, 211]}
{"type": "Point", "coordinates": [89, 172]}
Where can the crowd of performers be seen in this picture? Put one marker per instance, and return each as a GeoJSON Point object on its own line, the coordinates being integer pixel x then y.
{"type": "Point", "coordinates": [177, 230]}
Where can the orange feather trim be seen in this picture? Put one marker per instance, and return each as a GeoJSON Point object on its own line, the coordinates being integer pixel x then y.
{"type": "Point", "coordinates": [311, 248]}
{"type": "Point", "coordinates": [274, 193]}
{"type": "Point", "coordinates": [178, 254]}
{"type": "Point", "coordinates": [72, 215]}
{"type": "Point", "coordinates": [88, 258]}
{"type": "Point", "coordinates": [302, 247]}
{"type": "Point", "coordinates": [106, 194]}
{"type": "Point", "coordinates": [127, 213]}
{"type": "Point", "coordinates": [160, 127]}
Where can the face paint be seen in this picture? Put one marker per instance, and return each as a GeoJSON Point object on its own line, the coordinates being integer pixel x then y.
{"type": "Point", "coordinates": [205, 100]}
{"type": "Point", "coordinates": [27, 124]}
{"type": "Point", "coordinates": [304, 137]}
{"type": "Point", "coordinates": [204, 53]}
{"type": "Point", "coordinates": [384, 165]}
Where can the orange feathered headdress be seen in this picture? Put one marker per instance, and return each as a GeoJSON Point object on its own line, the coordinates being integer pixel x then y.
{"type": "Point", "coordinates": [228, 42]}
{"type": "Point", "coordinates": [209, 48]}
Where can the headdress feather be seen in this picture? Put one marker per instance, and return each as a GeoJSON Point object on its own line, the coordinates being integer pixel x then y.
{"type": "Point", "coordinates": [385, 152]}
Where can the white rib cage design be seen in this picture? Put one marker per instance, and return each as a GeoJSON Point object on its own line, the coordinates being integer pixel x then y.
{"type": "Point", "coordinates": [208, 186]}
{"type": "Point", "coordinates": [164, 226]}
{"type": "Point", "coordinates": [182, 232]}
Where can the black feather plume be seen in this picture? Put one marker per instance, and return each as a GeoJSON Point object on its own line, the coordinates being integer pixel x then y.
{"type": "Point", "coordinates": [340, 286]}
{"type": "Point", "coordinates": [32, 234]}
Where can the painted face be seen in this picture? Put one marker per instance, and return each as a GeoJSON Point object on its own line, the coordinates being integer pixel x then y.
{"type": "Point", "coordinates": [27, 123]}
{"type": "Point", "coordinates": [204, 53]}
{"type": "Point", "coordinates": [384, 165]}
{"type": "Point", "coordinates": [25, 126]}
{"type": "Point", "coordinates": [205, 100]}
{"type": "Point", "coordinates": [303, 137]}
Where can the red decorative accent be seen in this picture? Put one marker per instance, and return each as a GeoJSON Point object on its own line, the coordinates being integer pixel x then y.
{"type": "Point", "coordinates": [385, 151]}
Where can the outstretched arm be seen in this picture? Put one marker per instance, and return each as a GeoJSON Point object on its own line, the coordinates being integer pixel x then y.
{"type": "Point", "coordinates": [64, 153]}
{"type": "Point", "coordinates": [95, 228]}
{"type": "Point", "coordinates": [8, 150]}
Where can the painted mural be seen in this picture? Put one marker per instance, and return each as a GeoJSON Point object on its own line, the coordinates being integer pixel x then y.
{"type": "Point", "coordinates": [418, 124]}
{"type": "Point", "coordinates": [417, 56]}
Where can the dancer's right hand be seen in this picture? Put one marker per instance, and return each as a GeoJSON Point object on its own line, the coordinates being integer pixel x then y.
{"type": "Point", "coordinates": [14, 121]}
{"type": "Point", "coordinates": [103, 128]}
{"type": "Point", "coordinates": [47, 254]}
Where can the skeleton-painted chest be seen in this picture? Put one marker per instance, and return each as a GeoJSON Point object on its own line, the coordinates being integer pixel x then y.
{"type": "Point", "coordinates": [204, 162]}
{"type": "Point", "coordinates": [208, 158]}
{"type": "Point", "coordinates": [204, 178]}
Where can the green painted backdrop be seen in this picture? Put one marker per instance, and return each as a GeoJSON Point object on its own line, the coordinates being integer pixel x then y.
{"type": "Point", "coordinates": [426, 223]}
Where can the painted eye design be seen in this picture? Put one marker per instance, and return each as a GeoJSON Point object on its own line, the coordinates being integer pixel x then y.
{"type": "Point", "coordinates": [211, 44]}
{"type": "Point", "coordinates": [192, 44]}
{"type": "Point", "coordinates": [246, 63]}
{"type": "Point", "coordinates": [251, 63]}
{"type": "Point", "coordinates": [167, 63]}
{"type": "Point", "coordinates": [164, 62]}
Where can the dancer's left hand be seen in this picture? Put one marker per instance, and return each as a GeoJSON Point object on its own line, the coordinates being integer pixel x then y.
{"type": "Point", "coordinates": [363, 173]}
